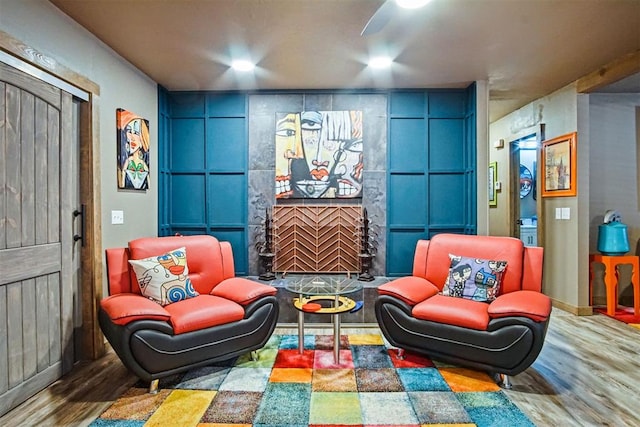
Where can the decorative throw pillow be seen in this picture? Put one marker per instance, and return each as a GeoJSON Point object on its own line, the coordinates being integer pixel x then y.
{"type": "Point", "coordinates": [473, 278]}
{"type": "Point", "coordinates": [164, 278]}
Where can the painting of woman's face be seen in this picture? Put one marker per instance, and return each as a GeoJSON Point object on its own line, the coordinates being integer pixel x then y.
{"type": "Point", "coordinates": [134, 138]}
{"type": "Point", "coordinates": [133, 150]}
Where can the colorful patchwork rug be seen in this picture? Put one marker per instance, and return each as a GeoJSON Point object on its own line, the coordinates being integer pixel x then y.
{"type": "Point", "coordinates": [369, 386]}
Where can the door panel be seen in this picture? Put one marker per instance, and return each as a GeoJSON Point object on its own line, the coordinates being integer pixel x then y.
{"type": "Point", "coordinates": [36, 243]}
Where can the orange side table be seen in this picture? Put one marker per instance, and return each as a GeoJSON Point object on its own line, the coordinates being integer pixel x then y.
{"type": "Point", "coordinates": [610, 263]}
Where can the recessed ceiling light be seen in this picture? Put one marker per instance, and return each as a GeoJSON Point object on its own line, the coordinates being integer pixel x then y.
{"type": "Point", "coordinates": [411, 4]}
{"type": "Point", "coordinates": [243, 65]}
{"type": "Point", "coordinates": [380, 62]}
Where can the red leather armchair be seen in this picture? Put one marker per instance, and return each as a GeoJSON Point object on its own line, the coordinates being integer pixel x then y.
{"type": "Point", "coordinates": [503, 337]}
{"type": "Point", "coordinates": [230, 316]}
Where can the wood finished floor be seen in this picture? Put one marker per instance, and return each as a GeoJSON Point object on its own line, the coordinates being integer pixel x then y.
{"type": "Point", "coordinates": [588, 374]}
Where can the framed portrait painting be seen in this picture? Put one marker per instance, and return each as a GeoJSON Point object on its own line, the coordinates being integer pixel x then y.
{"type": "Point", "coordinates": [559, 163]}
{"type": "Point", "coordinates": [133, 150]}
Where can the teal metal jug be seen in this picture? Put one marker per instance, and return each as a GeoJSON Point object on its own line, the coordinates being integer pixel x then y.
{"type": "Point", "coordinates": [613, 239]}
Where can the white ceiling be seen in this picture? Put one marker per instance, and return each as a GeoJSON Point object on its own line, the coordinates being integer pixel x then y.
{"type": "Point", "coordinates": [525, 49]}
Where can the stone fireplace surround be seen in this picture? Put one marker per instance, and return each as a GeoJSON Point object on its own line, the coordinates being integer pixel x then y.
{"type": "Point", "coordinates": [261, 191]}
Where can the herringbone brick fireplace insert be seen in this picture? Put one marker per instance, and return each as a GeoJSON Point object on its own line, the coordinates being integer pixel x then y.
{"type": "Point", "coordinates": [317, 239]}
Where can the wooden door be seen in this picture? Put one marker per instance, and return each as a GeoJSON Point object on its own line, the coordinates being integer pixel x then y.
{"type": "Point", "coordinates": [36, 236]}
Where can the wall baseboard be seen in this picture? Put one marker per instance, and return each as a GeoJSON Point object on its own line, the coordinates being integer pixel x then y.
{"type": "Point", "coordinates": [578, 311]}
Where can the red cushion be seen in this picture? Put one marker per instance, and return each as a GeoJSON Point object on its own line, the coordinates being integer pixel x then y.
{"type": "Point", "coordinates": [531, 304]}
{"type": "Point", "coordinates": [125, 308]}
{"type": "Point", "coordinates": [410, 289]}
{"type": "Point", "coordinates": [203, 312]}
{"type": "Point", "coordinates": [242, 291]}
{"type": "Point", "coordinates": [454, 311]}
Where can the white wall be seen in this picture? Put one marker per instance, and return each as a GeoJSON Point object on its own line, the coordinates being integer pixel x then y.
{"type": "Point", "coordinates": [40, 25]}
{"type": "Point", "coordinates": [614, 160]}
{"type": "Point", "coordinates": [565, 276]}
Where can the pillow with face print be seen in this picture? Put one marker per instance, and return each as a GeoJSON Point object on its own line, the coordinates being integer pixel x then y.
{"type": "Point", "coordinates": [165, 278]}
{"type": "Point", "coordinates": [474, 278]}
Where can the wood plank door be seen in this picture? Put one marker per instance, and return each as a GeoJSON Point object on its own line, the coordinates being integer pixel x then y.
{"type": "Point", "coordinates": [36, 235]}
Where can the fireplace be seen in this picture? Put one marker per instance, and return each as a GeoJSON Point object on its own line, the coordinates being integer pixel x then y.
{"type": "Point", "coordinates": [318, 239]}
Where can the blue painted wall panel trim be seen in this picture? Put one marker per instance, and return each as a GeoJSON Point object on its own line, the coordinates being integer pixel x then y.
{"type": "Point", "coordinates": [227, 219]}
{"type": "Point", "coordinates": [441, 185]}
{"type": "Point", "coordinates": [203, 184]}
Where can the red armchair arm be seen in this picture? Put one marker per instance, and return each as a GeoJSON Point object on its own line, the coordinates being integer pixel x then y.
{"type": "Point", "coordinates": [125, 308]}
{"type": "Point", "coordinates": [411, 289]}
{"type": "Point", "coordinates": [531, 304]}
{"type": "Point", "coordinates": [242, 291]}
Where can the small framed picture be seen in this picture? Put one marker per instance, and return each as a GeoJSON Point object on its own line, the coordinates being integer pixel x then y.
{"type": "Point", "coordinates": [559, 162]}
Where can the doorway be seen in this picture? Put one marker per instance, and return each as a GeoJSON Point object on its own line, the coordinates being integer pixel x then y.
{"type": "Point", "coordinates": [525, 203]}
{"type": "Point", "coordinates": [49, 250]}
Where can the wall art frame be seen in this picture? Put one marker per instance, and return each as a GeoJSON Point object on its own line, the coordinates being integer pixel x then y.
{"type": "Point", "coordinates": [559, 166]}
{"type": "Point", "coordinates": [133, 143]}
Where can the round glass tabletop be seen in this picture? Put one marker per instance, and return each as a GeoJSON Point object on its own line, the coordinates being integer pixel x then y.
{"type": "Point", "coordinates": [321, 284]}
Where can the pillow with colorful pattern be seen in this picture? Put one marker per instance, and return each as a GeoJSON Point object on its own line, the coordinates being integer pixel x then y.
{"type": "Point", "coordinates": [474, 278]}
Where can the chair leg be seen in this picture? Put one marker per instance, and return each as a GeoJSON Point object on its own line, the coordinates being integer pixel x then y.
{"type": "Point", "coordinates": [153, 387]}
{"type": "Point", "coordinates": [254, 355]}
{"type": "Point", "coordinates": [503, 380]}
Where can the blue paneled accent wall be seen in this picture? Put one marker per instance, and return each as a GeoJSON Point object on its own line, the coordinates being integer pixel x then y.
{"type": "Point", "coordinates": [217, 166]}
{"type": "Point", "coordinates": [204, 168]}
{"type": "Point", "coordinates": [431, 176]}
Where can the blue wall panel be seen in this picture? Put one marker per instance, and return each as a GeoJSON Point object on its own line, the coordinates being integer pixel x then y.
{"type": "Point", "coordinates": [447, 104]}
{"type": "Point", "coordinates": [406, 145]}
{"type": "Point", "coordinates": [431, 151]}
{"type": "Point", "coordinates": [206, 168]}
{"type": "Point", "coordinates": [226, 104]}
{"type": "Point", "coordinates": [446, 150]}
{"type": "Point", "coordinates": [187, 145]}
{"type": "Point", "coordinates": [407, 104]}
{"type": "Point", "coordinates": [408, 201]}
{"type": "Point", "coordinates": [227, 195]}
{"type": "Point", "coordinates": [188, 200]}
{"type": "Point", "coordinates": [400, 250]}
{"type": "Point", "coordinates": [226, 144]}
{"type": "Point", "coordinates": [187, 104]}
{"type": "Point", "coordinates": [447, 200]}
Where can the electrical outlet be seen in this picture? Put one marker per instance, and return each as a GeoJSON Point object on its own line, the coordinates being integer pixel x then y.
{"type": "Point", "coordinates": [117, 217]}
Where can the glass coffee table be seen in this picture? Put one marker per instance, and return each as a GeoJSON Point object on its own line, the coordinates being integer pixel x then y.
{"type": "Point", "coordinates": [314, 289]}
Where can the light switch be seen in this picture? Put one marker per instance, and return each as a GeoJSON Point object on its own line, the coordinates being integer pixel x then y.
{"type": "Point", "coordinates": [566, 213]}
{"type": "Point", "coordinates": [558, 213]}
{"type": "Point", "coordinates": [117, 217]}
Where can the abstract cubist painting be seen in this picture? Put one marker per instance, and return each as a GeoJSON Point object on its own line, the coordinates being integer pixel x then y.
{"type": "Point", "coordinates": [133, 150]}
{"type": "Point", "coordinates": [319, 154]}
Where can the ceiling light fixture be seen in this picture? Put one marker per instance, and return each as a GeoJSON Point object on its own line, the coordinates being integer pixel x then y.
{"type": "Point", "coordinates": [242, 65]}
{"type": "Point", "coordinates": [380, 62]}
{"type": "Point", "coordinates": [411, 4]}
